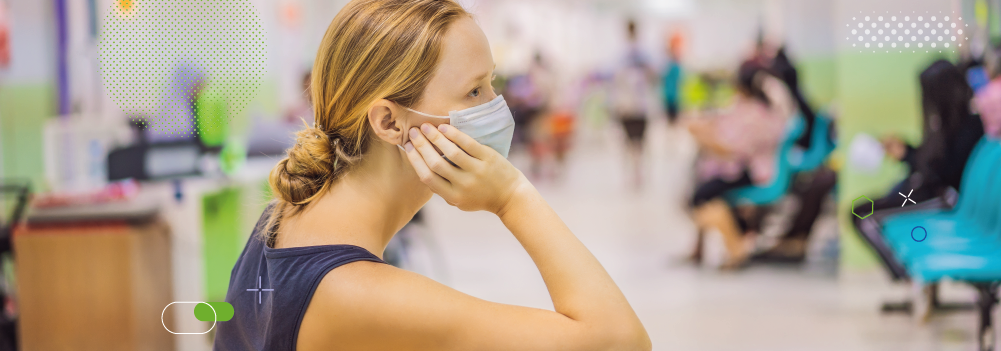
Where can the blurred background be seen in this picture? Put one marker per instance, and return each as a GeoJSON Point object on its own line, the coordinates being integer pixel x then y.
{"type": "Point", "coordinates": [708, 152]}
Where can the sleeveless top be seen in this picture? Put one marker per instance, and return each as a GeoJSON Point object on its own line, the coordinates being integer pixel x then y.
{"type": "Point", "coordinates": [271, 288]}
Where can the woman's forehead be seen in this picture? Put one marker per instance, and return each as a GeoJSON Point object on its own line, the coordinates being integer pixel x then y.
{"type": "Point", "coordinates": [465, 53]}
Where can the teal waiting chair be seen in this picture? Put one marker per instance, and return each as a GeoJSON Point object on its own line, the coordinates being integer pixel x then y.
{"type": "Point", "coordinates": [962, 243]}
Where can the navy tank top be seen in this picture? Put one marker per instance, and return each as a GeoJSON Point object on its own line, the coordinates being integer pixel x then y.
{"type": "Point", "coordinates": [271, 288]}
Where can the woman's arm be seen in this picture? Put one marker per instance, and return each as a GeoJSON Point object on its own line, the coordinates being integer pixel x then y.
{"type": "Point", "coordinates": [374, 306]}
{"type": "Point", "coordinates": [580, 287]}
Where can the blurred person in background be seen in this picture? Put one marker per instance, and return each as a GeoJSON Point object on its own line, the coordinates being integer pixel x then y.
{"type": "Point", "coordinates": [785, 69]}
{"type": "Point", "coordinates": [538, 125]}
{"type": "Point", "coordinates": [384, 70]}
{"type": "Point", "coordinates": [950, 132]}
{"type": "Point", "coordinates": [811, 188]}
{"type": "Point", "coordinates": [987, 99]}
{"type": "Point", "coordinates": [672, 78]}
{"type": "Point", "coordinates": [4, 36]}
{"type": "Point", "coordinates": [988, 103]}
{"type": "Point", "coordinates": [529, 96]}
{"type": "Point", "coordinates": [180, 101]}
{"type": "Point", "coordinates": [561, 128]}
{"type": "Point", "coordinates": [741, 146]}
{"type": "Point", "coordinates": [302, 110]}
{"type": "Point", "coordinates": [632, 83]}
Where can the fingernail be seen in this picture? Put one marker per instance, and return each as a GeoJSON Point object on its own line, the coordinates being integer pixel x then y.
{"type": "Point", "coordinates": [442, 127]}
{"type": "Point", "coordinates": [408, 146]}
{"type": "Point", "coordinates": [426, 128]}
{"type": "Point", "coordinates": [413, 133]}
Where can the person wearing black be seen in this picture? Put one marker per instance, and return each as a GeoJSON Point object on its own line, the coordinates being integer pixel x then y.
{"type": "Point", "coordinates": [811, 188]}
{"type": "Point", "coordinates": [951, 132]}
{"type": "Point", "coordinates": [783, 68]}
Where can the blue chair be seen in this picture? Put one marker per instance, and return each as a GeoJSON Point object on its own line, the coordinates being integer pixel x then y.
{"type": "Point", "coordinates": [790, 160]}
{"type": "Point", "coordinates": [945, 227]}
{"type": "Point", "coordinates": [963, 243]}
{"type": "Point", "coordinates": [820, 147]}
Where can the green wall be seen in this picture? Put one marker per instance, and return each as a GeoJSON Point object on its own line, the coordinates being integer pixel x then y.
{"type": "Point", "coordinates": [818, 79]}
{"type": "Point", "coordinates": [24, 109]}
{"type": "Point", "coordinates": [223, 235]}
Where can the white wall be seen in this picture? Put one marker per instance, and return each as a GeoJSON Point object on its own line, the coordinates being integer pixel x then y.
{"type": "Point", "coordinates": [580, 36]}
{"type": "Point", "coordinates": [32, 30]}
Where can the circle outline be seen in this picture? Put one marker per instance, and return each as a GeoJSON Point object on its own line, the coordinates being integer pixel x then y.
{"type": "Point", "coordinates": [922, 239]}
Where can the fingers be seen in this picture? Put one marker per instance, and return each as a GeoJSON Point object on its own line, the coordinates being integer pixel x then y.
{"type": "Point", "coordinates": [437, 184]}
{"type": "Point", "coordinates": [447, 147]}
{"type": "Point", "coordinates": [432, 159]}
{"type": "Point", "coordinates": [470, 146]}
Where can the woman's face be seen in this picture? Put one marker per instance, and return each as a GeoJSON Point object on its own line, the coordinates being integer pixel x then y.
{"type": "Point", "coordinates": [462, 79]}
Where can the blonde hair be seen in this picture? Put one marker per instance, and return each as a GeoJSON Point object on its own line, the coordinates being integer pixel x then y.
{"type": "Point", "coordinates": [373, 49]}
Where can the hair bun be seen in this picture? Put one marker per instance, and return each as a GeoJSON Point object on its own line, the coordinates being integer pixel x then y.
{"type": "Point", "coordinates": [306, 169]}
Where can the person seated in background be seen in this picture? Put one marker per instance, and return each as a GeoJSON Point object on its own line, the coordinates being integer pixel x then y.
{"type": "Point", "coordinates": [987, 99]}
{"type": "Point", "coordinates": [741, 147]}
{"type": "Point", "coordinates": [810, 188]}
{"type": "Point", "coordinates": [950, 133]}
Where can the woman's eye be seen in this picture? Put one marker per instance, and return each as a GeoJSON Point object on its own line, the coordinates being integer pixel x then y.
{"type": "Point", "coordinates": [475, 92]}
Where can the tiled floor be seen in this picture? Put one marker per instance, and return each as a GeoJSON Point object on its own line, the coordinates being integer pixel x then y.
{"type": "Point", "coordinates": [639, 235]}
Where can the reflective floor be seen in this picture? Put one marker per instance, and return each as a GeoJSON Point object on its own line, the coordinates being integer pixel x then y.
{"type": "Point", "coordinates": [640, 236]}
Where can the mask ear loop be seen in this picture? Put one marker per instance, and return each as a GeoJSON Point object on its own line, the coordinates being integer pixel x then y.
{"type": "Point", "coordinates": [422, 114]}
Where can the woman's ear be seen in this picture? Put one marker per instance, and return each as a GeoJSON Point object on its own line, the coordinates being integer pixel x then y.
{"type": "Point", "coordinates": [384, 117]}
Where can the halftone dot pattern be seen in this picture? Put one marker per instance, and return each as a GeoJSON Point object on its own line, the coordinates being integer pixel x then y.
{"type": "Point", "coordinates": [186, 66]}
{"type": "Point", "coordinates": [939, 31]}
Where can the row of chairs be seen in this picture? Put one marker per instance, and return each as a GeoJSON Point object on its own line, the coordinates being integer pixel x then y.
{"type": "Point", "coordinates": [927, 245]}
{"type": "Point", "coordinates": [962, 243]}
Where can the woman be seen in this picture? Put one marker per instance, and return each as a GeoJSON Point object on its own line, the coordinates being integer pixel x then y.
{"type": "Point", "coordinates": [950, 134]}
{"type": "Point", "coordinates": [365, 168]}
{"type": "Point", "coordinates": [742, 145]}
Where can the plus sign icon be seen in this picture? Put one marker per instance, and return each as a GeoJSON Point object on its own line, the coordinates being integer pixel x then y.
{"type": "Point", "coordinates": [259, 290]}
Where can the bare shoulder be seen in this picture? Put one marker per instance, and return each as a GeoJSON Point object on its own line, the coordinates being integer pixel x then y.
{"type": "Point", "coordinates": [365, 304]}
{"type": "Point", "coordinates": [375, 306]}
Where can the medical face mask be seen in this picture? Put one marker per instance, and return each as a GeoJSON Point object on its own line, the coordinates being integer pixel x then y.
{"type": "Point", "coordinates": [490, 124]}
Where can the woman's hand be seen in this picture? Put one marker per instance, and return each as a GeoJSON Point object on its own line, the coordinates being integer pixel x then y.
{"type": "Point", "coordinates": [483, 180]}
{"type": "Point", "coordinates": [704, 134]}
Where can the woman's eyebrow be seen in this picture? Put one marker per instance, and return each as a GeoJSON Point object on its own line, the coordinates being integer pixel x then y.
{"type": "Point", "coordinates": [482, 76]}
{"type": "Point", "coordinates": [479, 77]}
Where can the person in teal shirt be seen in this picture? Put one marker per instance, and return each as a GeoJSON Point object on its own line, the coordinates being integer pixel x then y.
{"type": "Point", "coordinates": [672, 79]}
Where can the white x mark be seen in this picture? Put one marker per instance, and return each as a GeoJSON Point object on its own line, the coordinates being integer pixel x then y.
{"type": "Point", "coordinates": [907, 198]}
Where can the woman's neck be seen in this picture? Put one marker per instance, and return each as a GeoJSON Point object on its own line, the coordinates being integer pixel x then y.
{"type": "Point", "coordinates": [365, 208]}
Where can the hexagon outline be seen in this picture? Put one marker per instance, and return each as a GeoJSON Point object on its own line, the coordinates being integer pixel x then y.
{"type": "Point", "coordinates": [872, 205]}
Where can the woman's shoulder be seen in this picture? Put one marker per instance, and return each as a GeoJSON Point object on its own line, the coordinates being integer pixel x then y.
{"type": "Point", "coordinates": [360, 301]}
